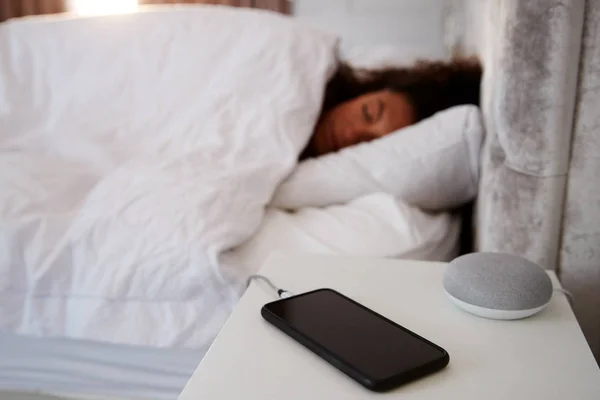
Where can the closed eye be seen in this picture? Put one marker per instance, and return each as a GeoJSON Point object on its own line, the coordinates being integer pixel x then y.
{"type": "Point", "coordinates": [372, 118]}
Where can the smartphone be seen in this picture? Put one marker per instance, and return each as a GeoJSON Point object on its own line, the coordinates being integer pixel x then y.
{"type": "Point", "coordinates": [374, 351]}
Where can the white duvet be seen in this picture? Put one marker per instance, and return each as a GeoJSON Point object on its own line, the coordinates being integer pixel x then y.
{"type": "Point", "coordinates": [138, 156]}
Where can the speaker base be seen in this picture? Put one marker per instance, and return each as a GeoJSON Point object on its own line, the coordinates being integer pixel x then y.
{"type": "Point", "coordinates": [495, 314]}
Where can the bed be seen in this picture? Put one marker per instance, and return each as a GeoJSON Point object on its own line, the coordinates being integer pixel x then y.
{"type": "Point", "coordinates": [83, 368]}
{"type": "Point", "coordinates": [89, 359]}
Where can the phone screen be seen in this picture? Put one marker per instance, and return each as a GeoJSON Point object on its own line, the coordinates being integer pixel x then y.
{"type": "Point", "coordinates": [356, 335]}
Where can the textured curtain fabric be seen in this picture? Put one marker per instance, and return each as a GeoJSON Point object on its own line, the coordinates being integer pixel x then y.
{"type": "Point", "coordinates": [580, 244]}
{"type": "Point", "coordinates": [530, 55]}
{"type": "Point", "coordinates": [21, 8]}
{"type": "Point", "coordinates": [539, 195]}
{"type": "Point", "coordinates": [274, 5]}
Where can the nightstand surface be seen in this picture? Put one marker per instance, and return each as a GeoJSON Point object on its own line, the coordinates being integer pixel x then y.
{"type": "Point", "coordinates": [542, 357]}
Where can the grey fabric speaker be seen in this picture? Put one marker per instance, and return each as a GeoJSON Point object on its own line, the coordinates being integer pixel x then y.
{"type": "Point", "coordinates": [498, 286]}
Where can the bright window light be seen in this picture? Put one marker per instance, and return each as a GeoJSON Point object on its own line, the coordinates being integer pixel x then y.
{"type": "Point", "coordinates": [95, 7]}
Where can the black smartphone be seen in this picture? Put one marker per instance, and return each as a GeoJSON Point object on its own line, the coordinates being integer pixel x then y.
{"type": "Point", "coordinates": [376, 352]}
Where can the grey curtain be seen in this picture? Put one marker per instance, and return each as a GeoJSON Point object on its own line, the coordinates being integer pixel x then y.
{"type": "Point", "coordinates": [21, 8]}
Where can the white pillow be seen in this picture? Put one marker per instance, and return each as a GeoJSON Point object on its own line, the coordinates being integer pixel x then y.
{"type": "Point", "coordinates": [376, 225]}
{"type": "Point", "coordinates": [433, 165]}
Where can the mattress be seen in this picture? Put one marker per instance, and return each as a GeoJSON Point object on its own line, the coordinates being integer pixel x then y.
{"type": "Point", "coordinates": [86, 369]}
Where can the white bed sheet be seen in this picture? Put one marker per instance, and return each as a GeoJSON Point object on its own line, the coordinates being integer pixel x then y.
{"type": "Point", "coordinates": [87, 370]}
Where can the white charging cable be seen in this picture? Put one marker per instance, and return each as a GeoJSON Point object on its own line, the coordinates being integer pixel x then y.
{"type": "Point", "coordinates": [567, 294]}
{"type": "Point", "coordinates": [282, 293]}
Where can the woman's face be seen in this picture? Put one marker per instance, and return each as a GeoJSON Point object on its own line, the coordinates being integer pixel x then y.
{"type": "Point", "coordinates": [361, 119]}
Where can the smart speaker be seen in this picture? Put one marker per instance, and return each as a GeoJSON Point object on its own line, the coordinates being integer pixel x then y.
{"type": "Point", "coordinates": [497, 286]}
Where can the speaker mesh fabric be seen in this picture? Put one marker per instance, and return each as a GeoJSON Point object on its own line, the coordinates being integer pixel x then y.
{"type": "Point", "coordinates": [498, 281]}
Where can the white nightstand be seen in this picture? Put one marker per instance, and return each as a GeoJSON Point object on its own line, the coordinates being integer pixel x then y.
{"type": "Point", "coordinates": [543, 357]}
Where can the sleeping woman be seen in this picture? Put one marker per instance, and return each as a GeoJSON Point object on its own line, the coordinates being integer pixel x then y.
{"type": "Point", "coordinates": [360, 105]}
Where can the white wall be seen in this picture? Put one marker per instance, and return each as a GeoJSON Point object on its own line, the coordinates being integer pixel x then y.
{"type": "Point", "coordinates": [416, 28]}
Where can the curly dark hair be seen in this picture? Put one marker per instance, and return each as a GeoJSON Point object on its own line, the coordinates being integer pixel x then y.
{"type": "Point", "coordinates": [430, 86]}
